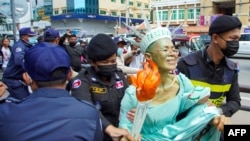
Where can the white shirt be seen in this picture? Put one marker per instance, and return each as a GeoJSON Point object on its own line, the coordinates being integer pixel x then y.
{"type": "Point", "coordinates": [6, 56]}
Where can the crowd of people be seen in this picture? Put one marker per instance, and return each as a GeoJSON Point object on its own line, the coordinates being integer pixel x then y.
{"type": "Point", "coordinates": [52, 97]}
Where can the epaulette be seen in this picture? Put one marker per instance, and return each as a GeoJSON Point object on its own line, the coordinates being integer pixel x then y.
{"type": "Point", "coordinates": [190, 59]}
{"type": "Point", "coordinates": [232, 65]}
{"type": "Point", "coordinates": [12, 100]}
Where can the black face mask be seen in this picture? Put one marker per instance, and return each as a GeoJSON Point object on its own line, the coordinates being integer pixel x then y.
{"type": "Point", "coordinates": [72, 43]}
{"type": "Point", "coordinates": [106, 70]}
{"type": "Point", "coordinates": [231, 48]}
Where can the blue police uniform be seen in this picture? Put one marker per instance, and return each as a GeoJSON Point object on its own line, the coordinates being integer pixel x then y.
{"type": "Point", "coordinates": [12, 77]}
{"type": "Point", "coordinates": [49, 114]}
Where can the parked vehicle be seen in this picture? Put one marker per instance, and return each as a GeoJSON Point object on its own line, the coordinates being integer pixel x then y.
{"type": "Point", "coordinates": [206, 39]}
{"type": "Point", "coordinates": [244, 46]}
{"type": "Point", "coordinates": [188, 43]}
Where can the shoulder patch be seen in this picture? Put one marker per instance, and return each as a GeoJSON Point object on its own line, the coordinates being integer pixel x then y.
{"type": "Point", "coordinates": [231, 65]}
{"type": "Point", "coordinates": [18, 49]}
{"type": "Point", "coordinates": [76, 83]}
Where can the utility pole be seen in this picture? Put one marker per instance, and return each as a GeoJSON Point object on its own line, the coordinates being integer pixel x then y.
{"type": "Point", "coordinates": [13, 16]}
{"type": "Point", "coordinates": [127, 12]}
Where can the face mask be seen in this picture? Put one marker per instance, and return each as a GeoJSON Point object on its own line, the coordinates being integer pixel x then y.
{"type": "Point", "coordinates": [32, 40]}
{"type": "Point", "coordinates": [72, 43]}
{"type": "Point", "coordinates": [106, 70]}
{"type": "Point", "coordinates": [231, 48]}
{"type": "Point", "coordinates": [120, 51]}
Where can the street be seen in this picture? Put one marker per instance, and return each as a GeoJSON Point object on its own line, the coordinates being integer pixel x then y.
{"type": "Point", "coordinates": [242, 117]}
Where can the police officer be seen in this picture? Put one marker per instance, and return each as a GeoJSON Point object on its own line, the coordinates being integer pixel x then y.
{"type": "Point", "coordinates": [50, 111]}
{"type": "Point", "coordinates": [212, 67]}
{"type": "Point", "coordinates": [103, 84]}
{"type": "Point", "coordinates": [12, 77]}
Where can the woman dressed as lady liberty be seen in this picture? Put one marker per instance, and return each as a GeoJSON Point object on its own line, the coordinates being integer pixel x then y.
{"type": "Point", "coordinates": [172, 95]}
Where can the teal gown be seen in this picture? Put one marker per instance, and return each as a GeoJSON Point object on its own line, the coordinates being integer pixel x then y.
{"type": "Point", "coordinates": [160, 123]}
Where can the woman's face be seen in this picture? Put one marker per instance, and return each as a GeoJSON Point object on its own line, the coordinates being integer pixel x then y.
{"type": "Point", "coordinates": [6, 42]}
{"type": "Point", "coordinates": [164, 54]}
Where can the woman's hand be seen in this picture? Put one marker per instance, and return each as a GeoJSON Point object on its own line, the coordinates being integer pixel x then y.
{"type": "Point", "coordinates": [129, 137]}
{"type": "Point", "coordinates": [131, 115]}
{"type": "Point", "coordinates": [116, 133]}
{"type": "Point", "coordinates": [220, 121]}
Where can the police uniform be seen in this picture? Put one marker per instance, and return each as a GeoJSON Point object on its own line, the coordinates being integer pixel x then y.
{"type": "Point", "coordinates": [221, 78]}
{"type": "Point", "coordinates": [12, 77]}
{"type": "Point", "coordinates": [49, 114]}
{"type": "Point", "coordinates": [107, 97]}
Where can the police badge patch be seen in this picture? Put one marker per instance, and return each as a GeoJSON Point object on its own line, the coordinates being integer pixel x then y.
{"type": "Point", "coordinates": [76, 83]}
{"type": "Point", "coordinates": [18, 49]}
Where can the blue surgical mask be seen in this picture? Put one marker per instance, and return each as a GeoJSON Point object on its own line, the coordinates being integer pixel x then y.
{"type": "Point", "coordinates": [120, 51]}
{"type": "Point", "coordinates": [32, 40]}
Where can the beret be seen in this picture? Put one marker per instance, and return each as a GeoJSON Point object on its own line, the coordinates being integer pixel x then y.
{"type": "Point", "coordinates": [224, 23]}
{"type": "Point", "coordinates": [42, 60]}
{"type": "Point", "coordinates": [101, 47]}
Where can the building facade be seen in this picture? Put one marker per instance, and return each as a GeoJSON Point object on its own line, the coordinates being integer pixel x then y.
{"type": "Point", "coordinates": [197, 15]}
{"type": "Point", "coordinates": [96, 16]}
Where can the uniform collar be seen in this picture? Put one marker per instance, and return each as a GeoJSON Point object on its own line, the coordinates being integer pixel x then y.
{"type": "Point", "coordinates": [224, 61]}
{"type": "Point", "coordinates": [49, 93]}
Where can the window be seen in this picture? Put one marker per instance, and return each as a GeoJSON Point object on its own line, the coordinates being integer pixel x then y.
{"type": "Point", "coordinates": [131, 3]}
{"type": "Point", "coordinates": [198, 12]}
{"type": "Point", "coordinates": [131, 15]}
{"type": "Point", "coordinates": [174, 14]}
{"type": "Point", "coordinates": [122, 1]}
{"type": "Point", "coordinates": [123, 14]}
{"type": "Point", "coordinates": [138, 4]}
{"type": "Point", "coordinates": [113, 0]}
{"type": "Point", "coordinates": [139, 16]}
{"type": "Point", "coordinates": [64, 11]}
{"type": "Point", "coordinates": [191, 14]}
{"type": "Point", "coordinates": [113, 13]}
{"type": "Point", "coordinates": [146, 5]}
{"type": "Point", "coordinates": [56, 12]}
{"type": "Point", "coordinates": [163, 15]}
{"type": "Point", "coordinates": [103, 12]}
{"type": "Point", "coordinates": [181, 15]}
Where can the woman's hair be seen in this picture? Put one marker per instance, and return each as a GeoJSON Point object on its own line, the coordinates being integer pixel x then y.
{"type": "Point", "coordinates": [5, 38]}
{"type": "Point", "coordinates": [58, 77]}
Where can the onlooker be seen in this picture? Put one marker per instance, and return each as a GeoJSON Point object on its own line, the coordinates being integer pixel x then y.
{"type": "Point", "coordinates": [102, 84]}
{"type": "Point", "coordinates": [212, 67]}
{"type": "Point", "coordinates": [5, 52]}
{"type": "Point", "coordinates": [12, 76]}
{"type": "Point", "coordinates": [75, 52]}
{"type": "Point", "coordinates": [121, 57]}
{"type": "Point", "coordinates": [50, 113]}
{"type": "Point", "coordinates": [84, 57]}
{"type": "Point", "coordinates": [138, 58]}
